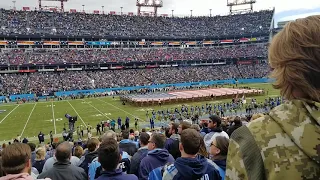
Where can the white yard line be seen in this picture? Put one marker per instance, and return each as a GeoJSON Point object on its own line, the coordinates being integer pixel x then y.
{"type": "Point", "coordinates": [54, 119]}
{"type": "Point", "coordinates": [120, 109]}
{"type": "Point", "coordinates": [9, 113]}
{"type": "Point", "coordinates": [28, 120]}
{"type": "Point", "coordinates": [98, 110]}
{"type": "Point", "coordinates": [77, 114]}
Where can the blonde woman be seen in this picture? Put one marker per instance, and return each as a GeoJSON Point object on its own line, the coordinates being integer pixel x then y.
{"type": "Point", "coordinates": [285, 144]}
{"type": "Point", "coordinates": [40, 159]}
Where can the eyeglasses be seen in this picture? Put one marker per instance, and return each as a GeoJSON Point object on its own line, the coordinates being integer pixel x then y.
{"type": "Point", "coordinates": [214, 145]}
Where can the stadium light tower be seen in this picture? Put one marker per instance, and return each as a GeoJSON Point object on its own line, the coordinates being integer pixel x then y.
{"type": "Point", "coordinates": [246, 4]}
{"type": "Point", "coordinates": [48, 7]}
{"type": "Point", "coordinates": [149, 3]}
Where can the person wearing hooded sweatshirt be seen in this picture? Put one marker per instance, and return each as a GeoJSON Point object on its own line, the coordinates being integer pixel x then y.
{"type": "Point", "coordinates": [126, 144]}
{"type": "Point", "coordinates": [285, 144]}
{"type": "Point", "coordinates": [190, 165]}
{"type": "Point", "coordinates": [157, 156]}
{"type": "Point", "coordinates": [140, 154]}
{"type": "Point", "coordinates": [16, 162]}
{"type": "Point", "coordinates": [172, 143]}
{"type": "Point", "coordinates": [215, 130]}
{"type": "Point", "coordinates": [93, 145]}
{"type": "Point", "coordinates": [109, 156]}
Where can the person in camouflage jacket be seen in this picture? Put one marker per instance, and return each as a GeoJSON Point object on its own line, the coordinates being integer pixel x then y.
{"type": "Point", "coordinates": [285, 144]}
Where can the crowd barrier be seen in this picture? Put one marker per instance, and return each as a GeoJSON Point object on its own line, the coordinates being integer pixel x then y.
{"type": "Point", "coordinates": [92, 91]}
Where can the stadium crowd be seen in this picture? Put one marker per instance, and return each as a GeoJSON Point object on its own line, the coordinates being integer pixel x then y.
{"type": "Point", "coordinates": [44, 82]}
{"type": "Point", "coordinates": [61, 56]}
{"type": "Point", "coordinates": [80, 24]}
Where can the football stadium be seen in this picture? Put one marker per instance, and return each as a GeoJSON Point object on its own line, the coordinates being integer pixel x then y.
{"type": "Point", "coordinates": [99, 94]}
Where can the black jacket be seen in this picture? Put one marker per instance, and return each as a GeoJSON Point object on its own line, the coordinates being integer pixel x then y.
{"type": "Point", "coordinates": [136, 159]}
{"type": "Point", "coordinates": [128, 146]}
{"type": "Point", "coordinates": [87, 160]}
{"type": "Point", "coordinates": [64, 171]}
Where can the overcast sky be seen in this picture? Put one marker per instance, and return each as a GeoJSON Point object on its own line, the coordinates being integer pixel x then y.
{"type": "Point", "coordinates": [285, 9]}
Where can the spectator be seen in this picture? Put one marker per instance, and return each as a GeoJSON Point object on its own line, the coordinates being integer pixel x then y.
{"type": "Point", "coordinates": [219, 152]}
{"type": "Point", "coordinates": [140, 154]}
{"type": "Point", "coordinates": [215, 130]}
{"type": "Point", "coordinates": [126, 144]}
{"type": "Point", "coordinates": [93, 145]}
{"type": "Point", "coordinates": [285, 143]}
{"type": "Point", "coordinates": [78, 152]}
{"type": "Point", "coordinates": [157, 156]}
{"type": "Point", "coordinates": [63, 169]}
{"type": "Point", "coordinates": [33, 152]}
{"type": "Point", "coordinates": [182, 126]}
{"type": "Point", "coordinates": [40, 159]}
{"type": "Point", "coordinates": [109, 157]}
{"type": "Point", "coordinates": [236, 124]}
{"type": "Point", "coordinates": [16, 162]}
{"type": "Point", "coordinates": [190, 165]}
{"type": "Point", "coordinates": [195, 127]}
{"type": "Point", "coordinates": [205, 130]}
{"type": "Point", "coordinates": [172, 143]}
{"type": "Point", "coordinates": [52, 160]}
{"type": "Point", "coordinates": [1, 169]}
{"type": "Point", "coordinates": [95, 169]}
{"type": "Point", "coordinates": [203, 151]}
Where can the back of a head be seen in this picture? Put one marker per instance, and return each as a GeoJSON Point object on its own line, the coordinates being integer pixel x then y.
{"type": "Point", "coordinates": [222, 144]}
{"type": "Point", "coordinates": [63, 152]}
{"type": "Point", "coordinates": [32, 146]}
{"type": "Point", "coordinates": [14, 158]}
{"type": "Point", "coordinates": [191, 141]}
{"type": "Point", "coordinates": [78, 151]}
{"type": "Point", "coordinates": [237, 121]}
{"type": "Point", "coordinates": [125, 134]}
{"type": "Point", "coordinates": [195, 127]}
{"type": "Point", "coordinates": [109, 154]}
{"type": "Point", "coordinates": [144, 138]}
{"type": "Point", "coordinates": [159, 140]}
{"type": "Point", "coordinates": [109, 134]}
{"type": "Point", "coordinates": [40, 153]}
{"type": "Point", "coordinates": [294, 57]}
{"type": "Point", "coordinates": [93, 143]}
{"type": "Point", "coordinates": [185, 125]}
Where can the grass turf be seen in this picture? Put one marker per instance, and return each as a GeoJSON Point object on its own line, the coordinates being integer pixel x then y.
{"type": "Point", "coordinates": [29, 119]}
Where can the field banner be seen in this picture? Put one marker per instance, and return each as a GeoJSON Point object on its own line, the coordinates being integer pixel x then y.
{"type": "Point", "coordinates": [92, 91]}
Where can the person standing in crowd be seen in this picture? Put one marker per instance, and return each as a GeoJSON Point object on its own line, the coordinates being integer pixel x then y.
{"type": "Point", "coordinates": [40, 159]}
{"type": "Point", "coordinates": [205, 130]}
{"type": "Point", "coordinates": [33, 152]}
{"type": "Point", "coordinates": [190, 165]}
{"type": "Point", "coordinates": [172, 143]}
{"type": "Point", "coordinates": [157, 156]}
{"type": "Point", "coordinates": [126, 144]}
{"type": "Point", "coordinates": [236, 124]}
{"type": "Point", "coordinates": [215, 130]}
{"type": "Point", "coordinates": [140, 154]}
{"type": "Point", "coordinates": [219, 152]}
{"type": "Point", "coordinates": [285, 143]}
{"type": "Point", "coordinates": [41, 137]}
{"type": "Point", "coordinates": [182, 126]}
{"type": "Point", "coordinates": [119, 123]}
{"type": "Point", "coordinates": [93, 145]}
{"type": "Point", "coordinates": [127, 122]}
{"type": "Point", "coordinates": [109, 156]}
{"type": "Point", "coordinates": [15, 162]}
{"type": "Point", "coordinates": [63, 169]}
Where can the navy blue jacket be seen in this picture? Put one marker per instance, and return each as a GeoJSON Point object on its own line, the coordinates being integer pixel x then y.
{"type": "Point", "coordinates": [116, 175]}
{"type": "Point", "coordinates": [191, 168]}
{"type": "Point", "coordinates": [155, 158]}
{"type": "Point", "coordinates": [221, 163]}
{"type": "Point", "coordinates": [136, 159]}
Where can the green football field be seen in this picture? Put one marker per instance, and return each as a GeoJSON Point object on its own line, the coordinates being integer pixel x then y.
{"type": "Point", "coordinates": [29, 119]}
